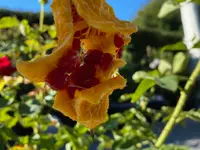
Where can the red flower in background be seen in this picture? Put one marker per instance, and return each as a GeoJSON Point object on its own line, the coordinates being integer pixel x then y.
{"type": "Point", "coordinates": [6, 69]}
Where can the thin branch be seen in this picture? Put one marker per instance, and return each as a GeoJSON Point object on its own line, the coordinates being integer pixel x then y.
{"type": "Point", "coordinates": [41, 15]}
{"type": "Point", "coordinates": [183, 97]}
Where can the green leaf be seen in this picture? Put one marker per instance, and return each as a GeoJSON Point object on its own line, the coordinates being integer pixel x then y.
{"type": "Point", "coordinates": [125, 143]}
{"type": "Point", "coordinates": [6, 118]}
{"type": "Point", "coordinates": [49, 100]}
{"type": "Point", "coordinates": [52, 32]}
{"type": "Point", "coordinates": [111, 124]}
{"type": "Point", "coordinates": [47, 142]}
{"type": "Point", "coordinates": [4, 114]}
{"type": "Point", "coordinates": [3, 102]}
{"type": "Point", "coordinates": [24, 109]}
{"type": "Point", "coordinates": [139, 75]}
{"type": "Point", "coordinates": [180, 1]}
{"type": "Point", "coordinates": [196, 45]}
{"type": "Point", "coordinates": [164, 67]}
{"type": "Point", "coordinates": [23, 139]}
{"type": "Point", "coordinates": [180, 46]}
{"type": "Point", "coordinates": [7, 133]}
{"type": "Point", "coordinates": [9, 93]}
{"type": "Point", "coordinates": [196, 1]}
{"type": "Point", "coordinates": [33, 44]}
{"type": "Point", "coordinates": [2, 142]}
{"type": "Point", "coordinates": [145, 85]}
{"type": "Point", "coordinates": [180, 62]}
{"type": "Point", "coordinates": [80, 129]}
{"type": "Point", "coordinates": [24, 27]}
{"type": "Point", "coordinates": [12, 122]}
{"type": "Point", "coordinates": [192, 114]}
{"type": "Point", "coordinates": [2, 84]}
{"type": "Point", "coordinates": [138, 114]}
{"type": "Point", "coordinates": [31, 107]}
{"type": "Point", "coordinates": [169, 82]}
{"type": "Point", "coordinates": [153, 73]}
{"type": "Point", "coordinates": [8, 22]}
{"type": "Point", "coordinates": [28, 122]}
{"type": "Point", "coordinates": [125, 97]}
{"type": "Point", "coordinates": [49, 45]}
{"type": "Point", "coordinates": [166, 8]}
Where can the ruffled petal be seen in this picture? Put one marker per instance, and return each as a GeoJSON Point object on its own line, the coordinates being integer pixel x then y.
{"type": "Point", "coordinates": [107, 74]}
{"type": "Point", "coordinates": [96, 94]}
{"type": "Point", "coordinates": [91, 115]}
{"type": "Point", "coordinates": [65, 104]}
{"type": "Point", "coordinates": [37, 70]}
{"type": "Point", "coordinates": [100, 15]}
{"type": "Point", "coordinates": [63, 18]}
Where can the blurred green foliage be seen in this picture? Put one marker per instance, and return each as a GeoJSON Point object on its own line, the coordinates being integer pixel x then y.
{"type": "Point", "coordinates": [33, 18]}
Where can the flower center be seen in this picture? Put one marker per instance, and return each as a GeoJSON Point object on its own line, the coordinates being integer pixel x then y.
{"type": "Point", "coordinates": [76, 70]}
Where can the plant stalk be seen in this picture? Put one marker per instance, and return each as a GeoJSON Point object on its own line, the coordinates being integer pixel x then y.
{"type": "Point", "coordinates": [183, 97]}
{"type": "Point", "coordinates": [41, 15]}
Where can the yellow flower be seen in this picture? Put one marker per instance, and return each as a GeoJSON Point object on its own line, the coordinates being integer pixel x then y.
{"type": "Point", "coordinates": [82, 68]}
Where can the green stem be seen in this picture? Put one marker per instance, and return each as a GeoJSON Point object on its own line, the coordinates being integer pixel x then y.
{"type": "Point", "coordinates": [41, 15]}
{"type": "Point", "coordinates": [183, 97]}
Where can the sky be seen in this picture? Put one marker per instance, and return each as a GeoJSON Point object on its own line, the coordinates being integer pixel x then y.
{"type": "Point", "coordinates": [124, 9]}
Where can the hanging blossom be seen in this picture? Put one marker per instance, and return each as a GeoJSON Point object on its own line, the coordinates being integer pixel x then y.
{"type": "Point", "coordinates": [82, 69]}
{"type": "Point", "coordinates": [6, 68]}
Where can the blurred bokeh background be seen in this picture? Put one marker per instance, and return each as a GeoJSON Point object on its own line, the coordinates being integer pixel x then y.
{"type": "Point", "coordinates": [164, 50]}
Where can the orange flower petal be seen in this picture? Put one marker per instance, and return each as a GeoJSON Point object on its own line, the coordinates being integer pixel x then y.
{"type": "Point", "coordinates": [91, 115]}
{"type": "Point", "coordinates": [107, 74]}
{"type": "Point", "coordinates": [100, 15]}
{"type": "Point", "coordinates": [98, 42]}
{"type": "Point", "coordinates": [37, 70]}
{"type": "Point", "coordinates": [95, 94]}
{"type": "Point", "coordinates": [63, 18]}
{"type": "Point", "coordinates": [64, 104]}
